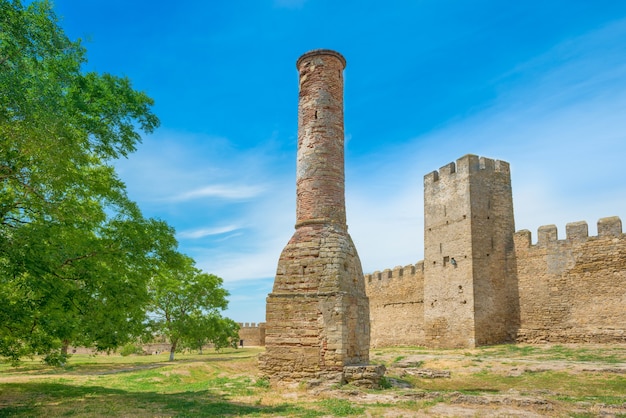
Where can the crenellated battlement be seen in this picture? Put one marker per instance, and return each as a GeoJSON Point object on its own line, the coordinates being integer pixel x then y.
{"type": "Point", "coordinates": [574, 232]}
{"type": "Point", "coordinates": [398, 272]}
{"type": "Point", "coordinates": [251, 324]}
{"type": "Point", "coordinates": [465, 165]}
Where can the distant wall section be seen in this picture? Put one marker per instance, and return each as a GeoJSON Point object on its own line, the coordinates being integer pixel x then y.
{"type": "Point", "coordinates": [252, 334]}
{"type": "Point", "coordinates": [396, 306]}
{"type": "Point", "coordinates": [573, 290]}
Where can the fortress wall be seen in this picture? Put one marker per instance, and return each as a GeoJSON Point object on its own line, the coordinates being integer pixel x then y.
{"type": "Point", "coordinates": [396, 306]}
{"type": "Point", "coordinates": [570, 290]}
{"type": "Point", "coordinates": [252, 333]}
{"type": "Point", "coordinates": [574, 289]}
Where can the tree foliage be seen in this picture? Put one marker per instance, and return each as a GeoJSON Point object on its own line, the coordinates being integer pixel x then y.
{"type": "Point", "coordinates": [212, 329]}
{"type": "Point", "coordinates": [75, 253]}
{"type": "Point", "coordinates": [186, 305]}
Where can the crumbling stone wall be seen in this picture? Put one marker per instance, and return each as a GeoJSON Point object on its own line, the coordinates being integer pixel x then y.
{"type": "Point", "coordinates": [574, 289]}
{"type": "Point", "coordinates": [396, 306]}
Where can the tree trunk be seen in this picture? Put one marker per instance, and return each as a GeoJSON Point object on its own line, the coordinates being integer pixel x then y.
{"type": "Point", "coordinates": [173, 350]}
{"type": "Point", "coordinates": [64, 347]}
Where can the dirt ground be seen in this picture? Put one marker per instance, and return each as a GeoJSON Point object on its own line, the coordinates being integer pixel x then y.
{"type": "Point", "coordinates": [533, 402]}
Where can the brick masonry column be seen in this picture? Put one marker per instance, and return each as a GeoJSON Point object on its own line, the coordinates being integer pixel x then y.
{"type": "Point", "coordinates": [317, 316]}
{"type": "Point", "coordinates": [320, 165]}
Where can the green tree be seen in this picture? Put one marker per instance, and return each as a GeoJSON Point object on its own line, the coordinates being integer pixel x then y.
{"type": "Point", "coordinates": [75, 252]}
{"type": "Point", "coordinates": [212, 329]}
{"type": "Point", "coordinates": [186, 304]}
{"type": "Point", "coordinates": [224, 333]}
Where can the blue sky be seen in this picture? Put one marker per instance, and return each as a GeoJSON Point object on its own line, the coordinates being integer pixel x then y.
{"type": "Point", "coordinates": [540, 84]}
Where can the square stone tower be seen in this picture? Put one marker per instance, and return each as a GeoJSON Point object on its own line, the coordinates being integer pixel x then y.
{"type": "Point", "coordinates": [469, 273]}
{"type": "Point", "coordinates": [317, 316]}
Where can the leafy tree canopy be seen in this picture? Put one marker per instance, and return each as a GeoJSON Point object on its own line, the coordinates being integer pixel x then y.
{"type": "Point", "coordinates": [75, 253]}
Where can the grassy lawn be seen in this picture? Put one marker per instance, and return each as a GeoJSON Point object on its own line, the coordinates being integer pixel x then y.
{"type": "Point", "coordinates": [545, 380]}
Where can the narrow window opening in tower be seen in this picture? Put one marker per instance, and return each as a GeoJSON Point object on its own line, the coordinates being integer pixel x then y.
{"type": "Point", "coordinates": [445, 211]}
{"type": "Point", "coordinates": [440, 248]}
{"type": "Point", "coordinates": [316, 114]}
{"type": "Point", "coordinates": [446, 260]}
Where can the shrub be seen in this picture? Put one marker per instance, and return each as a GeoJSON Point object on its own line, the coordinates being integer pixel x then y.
{"type": "Point", "coordinates": [129, 349]}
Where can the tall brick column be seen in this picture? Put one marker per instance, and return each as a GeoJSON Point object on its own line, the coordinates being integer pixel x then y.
{"type": "Point", "coordinates": [317, 316]}
{"type": "Point", "coordinates": [320, 165]}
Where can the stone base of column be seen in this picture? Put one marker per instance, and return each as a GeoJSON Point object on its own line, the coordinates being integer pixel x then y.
{"type": "Point", "coordinates": [367, 376]}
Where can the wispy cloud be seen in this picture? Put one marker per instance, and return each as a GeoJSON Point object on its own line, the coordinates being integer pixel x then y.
{"type": "Point", "coordinates": [220, 191]}
{"type": "Point", "coordinates": [205, 232]}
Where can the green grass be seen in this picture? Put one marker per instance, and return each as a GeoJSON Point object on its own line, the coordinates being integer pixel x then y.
{"type": "Point", "coordinates": [555, 352]}
{"type": "Point", "coordinates": [134, 385]}
{"type": "Point", "coordinates": [340, 408]}
{"type": "Point", "coordinates": [228, 384]}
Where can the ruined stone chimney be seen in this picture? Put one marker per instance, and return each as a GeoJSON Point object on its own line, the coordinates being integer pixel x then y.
{"type": "Point", "coordinates": [317, 316]}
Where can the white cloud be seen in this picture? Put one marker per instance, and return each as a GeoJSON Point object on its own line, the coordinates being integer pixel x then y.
{"type": "Point", "coordinates": [172, 166]}
{"type": "Point", "coordinates": [238, 263]}
{"type": "Point", "coordinates": [205, 232]}
{"type": "Point", "coordinates": [220, 191]}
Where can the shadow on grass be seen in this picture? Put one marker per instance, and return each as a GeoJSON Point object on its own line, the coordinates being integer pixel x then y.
{"type": "Point", "coordinates": [56, 399]}
{"type": "Point", "coordinates": [95, 369]}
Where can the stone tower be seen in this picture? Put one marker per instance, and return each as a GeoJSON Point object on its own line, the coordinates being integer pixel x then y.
{"type": "Point", "coordinates": [469, 271]}
{"type": "Point", "coordinates": [317, 316]}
